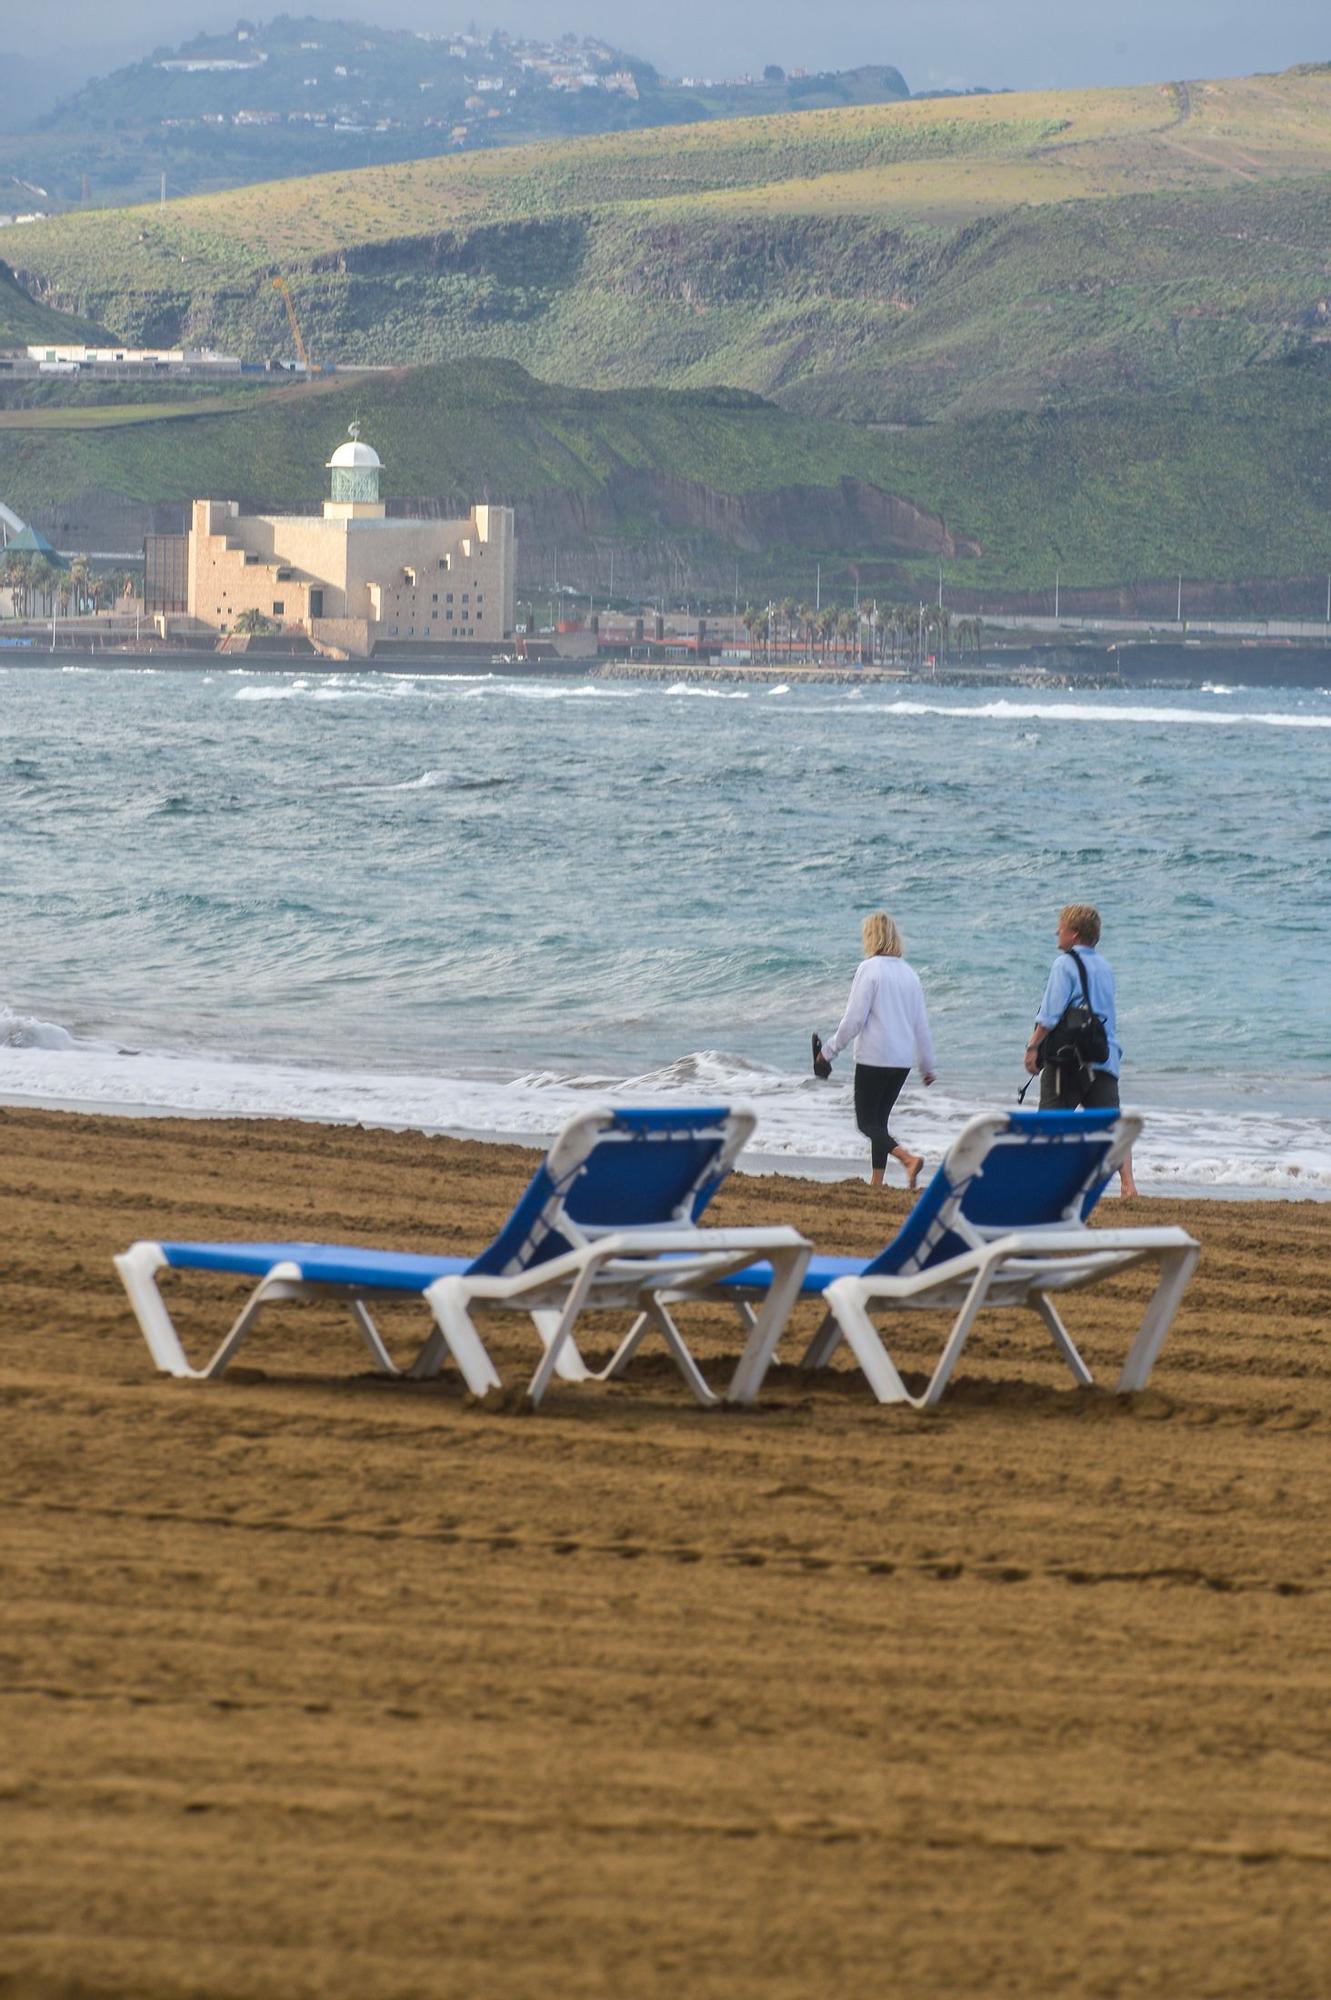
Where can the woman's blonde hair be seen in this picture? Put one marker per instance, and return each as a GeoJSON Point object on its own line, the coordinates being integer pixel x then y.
{"type": "Point", "coordinates": [880, 936]}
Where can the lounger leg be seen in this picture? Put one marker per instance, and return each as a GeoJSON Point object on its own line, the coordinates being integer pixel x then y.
{"type": "Point", "coordinates": [788, 1267]}
{"type": "Point", "coordinates": [570, 1366]}
{"type": "Point", "coordinates": [956, 1340]}
{"type": "Point", "coordinates": [657, 1316]}
{"type": "Point", "coordinates": [559, 1335]}
{"type": "Point", "coordinates": [138, 1268]}
{"type": "Point", "coordinates": [454, 1334]}
{"type": "Point", "coordinates": [1176, 1268]}
{"type": "Point", "coordinates": [281, 1275]}
{"type": "Point", "coordinates": [1062, 1339]}
{"type": "Point", "coordinates": [823, 1345]}
{"type": "Point", "coordinates": [846, 1301]}
{"type": "Point", "coordinates": [373, 1339]}
{"type": "Point", "coordinates": [627, 1348]}
{"type": "Point", "coordinates": [683, 1360]}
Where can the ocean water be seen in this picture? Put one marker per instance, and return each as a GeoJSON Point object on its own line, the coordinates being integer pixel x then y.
{"type": "Point", "coordinates": [467, 904]}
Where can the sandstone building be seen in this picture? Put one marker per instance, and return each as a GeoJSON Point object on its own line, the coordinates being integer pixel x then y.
{"type": "Point", "coordinates": [352, 577]}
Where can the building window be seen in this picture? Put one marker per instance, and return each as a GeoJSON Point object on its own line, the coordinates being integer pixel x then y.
{"type": "Point", "coordinates": [279, 607]}
{"type": "Point", "coordinates": [480, 597]}
{"type": "Point", "coordinates": [435, 598]}
{"type": "Point", "coordinates": [466, 597]}
{"type": "Point", "coordinates": [448, 597]}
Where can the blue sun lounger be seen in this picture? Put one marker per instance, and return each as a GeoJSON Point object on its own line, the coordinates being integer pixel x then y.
{"type": "Point", "coordinates": [609, 1221]}
{"type": "Point", "coordinates": [1002, 1223]}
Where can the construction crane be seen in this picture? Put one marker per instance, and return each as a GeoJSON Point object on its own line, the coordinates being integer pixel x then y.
{"type": "Point", "coordinates": [302, 352]}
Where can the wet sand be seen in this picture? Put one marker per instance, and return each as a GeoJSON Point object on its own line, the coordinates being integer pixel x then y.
{"type": "Point", "coordinates": [319, 1685]}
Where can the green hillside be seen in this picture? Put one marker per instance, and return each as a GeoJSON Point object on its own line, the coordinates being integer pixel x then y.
{"type": "Point", "coordinates": [1227, 482]}
{"type": "Point", "coordinates": [23, 320]}
{"type": "Point", "coordinates": [890, 263]}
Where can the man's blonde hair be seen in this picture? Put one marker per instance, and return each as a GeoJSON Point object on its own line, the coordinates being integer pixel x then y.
{"type": "Point", "coordinates": [880, 936]}
{"type": "Point", "coordinates": [1084, 919]}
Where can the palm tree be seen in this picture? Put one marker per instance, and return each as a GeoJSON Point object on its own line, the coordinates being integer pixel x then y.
{"type": "Point", "coordinates": [45, 577]}
{"type": "Point", "coordinates": [78, 579]}
{"type": "Point", "coordinates": [755, 624]}
{"type": "Point", "coordinates": [788, 609]}
{"type": "Point", "coordinates": [826, 625]}
{"type": "Point", "coordinates": [806, 627]}
{"type": "Point", "coordinates": [251, 622]}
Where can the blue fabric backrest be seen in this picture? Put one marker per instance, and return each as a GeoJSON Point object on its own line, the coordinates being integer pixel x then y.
{"type": "Point", "coordinates": [646, 1165]}
{"type": "Point", "coordinates": [1041, 1163]}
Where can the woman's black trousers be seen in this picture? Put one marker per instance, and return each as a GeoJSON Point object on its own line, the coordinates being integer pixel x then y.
{"type": "Point", "coordinates": [876, 1091]}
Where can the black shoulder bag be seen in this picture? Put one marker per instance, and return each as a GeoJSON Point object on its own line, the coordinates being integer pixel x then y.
{"type": "Point", "coordinates": [1079, 1038]}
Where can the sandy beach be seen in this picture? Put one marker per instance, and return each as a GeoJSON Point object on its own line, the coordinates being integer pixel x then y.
{"type": "Point", "coordinates": [320, 1685]}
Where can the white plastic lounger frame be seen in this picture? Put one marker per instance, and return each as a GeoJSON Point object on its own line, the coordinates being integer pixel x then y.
{"type": "Point", "coordinates": [1012, 1268]}
{"type": "Point", "coordinates": [605, 1265]}
{"type": "Point", "coordinates": [625, 1271]}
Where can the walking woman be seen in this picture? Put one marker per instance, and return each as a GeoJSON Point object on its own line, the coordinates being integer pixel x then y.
{"type": "Point", "coordinates": [885, 1018]}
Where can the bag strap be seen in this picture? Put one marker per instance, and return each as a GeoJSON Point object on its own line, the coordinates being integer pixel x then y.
{"type": "Point", "coordinates": [1076, 958]}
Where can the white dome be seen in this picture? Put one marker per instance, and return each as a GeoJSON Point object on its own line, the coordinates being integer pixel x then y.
{"type": "Point", "coordinates": [353, 452]}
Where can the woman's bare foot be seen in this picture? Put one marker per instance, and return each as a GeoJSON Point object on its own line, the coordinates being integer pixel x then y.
{"type": "Point", "coordinates": [914, 1168]}
{"type": "Point", "coordinates": [1127, 1183]}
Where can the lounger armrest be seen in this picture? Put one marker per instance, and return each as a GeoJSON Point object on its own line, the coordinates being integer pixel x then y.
{"type": "Point", "coordinates": [638, 1247]}
{"type": "Point", "coordinates": [1060, 1245]}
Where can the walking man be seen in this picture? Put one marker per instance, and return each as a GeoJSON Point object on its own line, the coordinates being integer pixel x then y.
{"type": "Point", "coordinates": [1066, 1086]}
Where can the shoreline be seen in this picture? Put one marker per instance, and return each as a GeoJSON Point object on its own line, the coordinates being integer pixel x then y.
{"type": "Point", "coordinates": [754, 1162]}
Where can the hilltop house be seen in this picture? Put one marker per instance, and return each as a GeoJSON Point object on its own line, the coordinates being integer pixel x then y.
{"type": "Point", "coordinates": [351, 577]}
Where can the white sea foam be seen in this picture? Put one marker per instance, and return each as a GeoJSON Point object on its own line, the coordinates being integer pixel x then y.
{"type": "Point", "coordinates": [782, 689]}
{"type": "Point", "coordinates": [550, 691]}
{"type": "Point", "coordinates": [25, 1031]}
{"type": "Point", "coordinates": [709, 693]}
{"type": "Point", "coordinates": [1109, 711]}
{"type": "Point", "coordinates": [426, 782]}
{"type": "Point", "coordinates": [801, 1123]}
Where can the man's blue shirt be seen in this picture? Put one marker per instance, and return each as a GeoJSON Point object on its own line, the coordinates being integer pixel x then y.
{"type": "Point", "coordinates": [1064, 983]}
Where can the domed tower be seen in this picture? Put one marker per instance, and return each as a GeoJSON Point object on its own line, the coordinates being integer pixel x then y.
{"type": "Point", "coordinates": [355, 490]}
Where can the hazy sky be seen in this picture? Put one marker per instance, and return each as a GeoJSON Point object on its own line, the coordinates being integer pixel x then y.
{"type": "Point", "coordinates": [935, 42]}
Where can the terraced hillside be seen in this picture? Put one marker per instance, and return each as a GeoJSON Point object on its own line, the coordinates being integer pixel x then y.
{"type": "Point", "coordinates": [890, 262]}
{"type": "Point", "coordinates": [1226, 482]}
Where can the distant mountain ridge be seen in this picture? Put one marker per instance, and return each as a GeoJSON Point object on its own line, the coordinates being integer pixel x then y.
{"type": "Point", "coordinates": [302, 95]}
{"type": "Point", "coordinates": [889, 263]}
